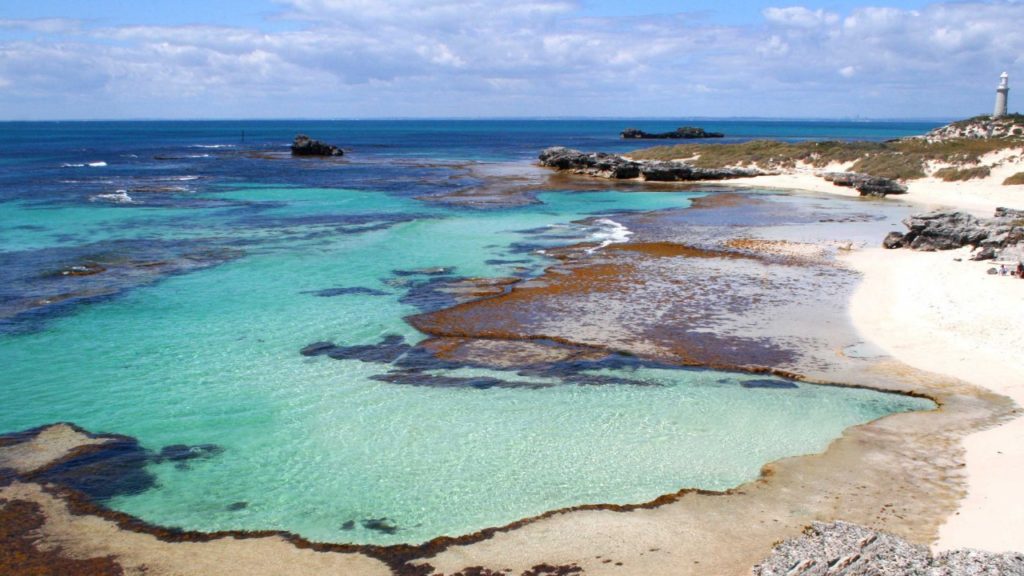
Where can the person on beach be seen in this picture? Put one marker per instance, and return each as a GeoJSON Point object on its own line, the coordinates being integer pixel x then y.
{"type": "Point", "coordinates": [1020, 270]}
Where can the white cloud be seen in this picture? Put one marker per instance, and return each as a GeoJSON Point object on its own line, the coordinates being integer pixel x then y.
{"type": "Point", "coordinates": [800, 17]}
{"type": "Point", "coordinates": [41, 25]}
{"type": "Point", "coordinates": [405, 57]}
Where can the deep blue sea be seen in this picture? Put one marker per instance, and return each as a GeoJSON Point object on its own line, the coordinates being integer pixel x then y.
{"type": "Point", "coordinates": [159, 279]}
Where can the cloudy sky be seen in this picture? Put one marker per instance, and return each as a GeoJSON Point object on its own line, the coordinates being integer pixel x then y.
{"type": "Point", "coordinates": [62, 59]}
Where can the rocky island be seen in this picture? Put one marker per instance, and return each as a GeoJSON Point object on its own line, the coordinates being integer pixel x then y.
{"type": "Point", "coordinates": [306, 146]}
{"type": "Point", "coordinates": [681, 133]}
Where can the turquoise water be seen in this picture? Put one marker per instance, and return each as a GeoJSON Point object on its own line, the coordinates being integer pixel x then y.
{"type": "Point", "coordinates": [315, 445]}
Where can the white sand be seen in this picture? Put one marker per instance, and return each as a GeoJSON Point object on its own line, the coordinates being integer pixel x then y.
{"type": "Point", "coordinates": [937, 314]}
{"type": "Point", "coordinates": [934, 313]}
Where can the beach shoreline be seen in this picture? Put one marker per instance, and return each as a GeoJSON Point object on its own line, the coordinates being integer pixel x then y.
{"type": "Point", "coordinates": [941, 312]}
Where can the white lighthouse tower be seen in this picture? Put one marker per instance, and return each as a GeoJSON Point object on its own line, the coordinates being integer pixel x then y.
{"type": "Point", "coordinates": [1001, 92]}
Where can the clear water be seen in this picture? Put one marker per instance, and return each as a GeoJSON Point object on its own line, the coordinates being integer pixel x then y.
{"type": "Point", "coordinates": [210, 355]}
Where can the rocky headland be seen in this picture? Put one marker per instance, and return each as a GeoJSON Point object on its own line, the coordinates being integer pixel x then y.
{"type": "Point", "coordinates": [603, 165]}
{"type": "Point", "coordinates": [681, 133]}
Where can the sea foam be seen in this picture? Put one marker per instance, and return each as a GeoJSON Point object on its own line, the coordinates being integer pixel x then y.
{"type": "Point", "coordinates": [609, 232]}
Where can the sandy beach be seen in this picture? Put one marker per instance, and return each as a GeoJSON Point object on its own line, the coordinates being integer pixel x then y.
{"type": "Point", "coordinates": [942, 313]}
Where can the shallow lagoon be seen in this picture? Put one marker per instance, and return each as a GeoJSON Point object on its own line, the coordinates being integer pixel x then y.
{"type": "Point", "coordinates": [314, 445]}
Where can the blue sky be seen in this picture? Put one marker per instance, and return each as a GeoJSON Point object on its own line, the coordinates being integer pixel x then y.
{"type": "Point", "coordinates": [64, 59]}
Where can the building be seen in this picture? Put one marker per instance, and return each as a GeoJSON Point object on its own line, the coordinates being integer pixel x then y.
{"type": "Point", "coordinates": [1001, 94]}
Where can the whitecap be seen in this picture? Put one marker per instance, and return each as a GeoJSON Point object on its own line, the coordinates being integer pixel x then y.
{"type": "Point", "coordinates": [119, 197]}
{"type": "Point", "coordinates": [99, 164]}
{"type": "Point", "coordinates": [609, 232]}
{"type": "Point", "coordinates": [212, 146]}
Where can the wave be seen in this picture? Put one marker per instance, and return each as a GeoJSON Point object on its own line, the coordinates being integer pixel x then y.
{"type": "Point", "coordinates": [99, 164]}
{"type": "Point", "coordinates": [214, 146]}
{"type": "Point", "coordinates": [119, 197]}
{"type": "Point", "coordinates": [609, 232]}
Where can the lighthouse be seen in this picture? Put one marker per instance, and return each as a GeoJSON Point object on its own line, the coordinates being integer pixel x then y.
{"type": "Point", "coordinates": [1001, 92]}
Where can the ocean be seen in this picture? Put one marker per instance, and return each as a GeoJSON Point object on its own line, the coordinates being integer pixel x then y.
{"type": "Point", "coordinates": [161, 280]}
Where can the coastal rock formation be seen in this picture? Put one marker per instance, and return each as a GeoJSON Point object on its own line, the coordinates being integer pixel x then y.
{"type": "Point", "coordinates": [683, 132]}
{"type": "Point", "coordinates": [605, 165]}
{"type": "Point", "coordinates": [844, 549]}
{"type": "Point", "coordinates": [948, 230]}
{"type": "Point", "coordinates": [594, 164]}
{"type": "Point", "coordinates": [865, 184]}
{"type": "Point", "coordinates": [306, 146]}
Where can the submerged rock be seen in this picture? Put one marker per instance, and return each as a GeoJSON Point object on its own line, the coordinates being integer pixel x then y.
{"type": "Point", "coordinates": [844, 549]}
{"type": "Point", "coordinates": [865, 184]}
{"type": "Point", "coordinates": [306, 146]}
{"type": "Point", "coordinates": [99, 466]}
{"type": "Point", "coordinates": [86, 269]}
{"type": "Point", "coordinates": [382, 525]}
{"type": "Point", "coordinates": [683, 132]}
{"type": "Point", "coordinates": [345, 291]}
{"type": "Point", "coordinates": [181, 454]}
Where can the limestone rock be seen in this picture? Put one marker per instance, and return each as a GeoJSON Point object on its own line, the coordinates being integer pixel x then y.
{"type": "Point", "coordinates": [615, 167]}
{"type": "Point", "coordinates": [865, 184]}
{"type": "Point", "coordinates": [894, 240]}
{"type": "Point", "coordinates": [844, 549]}
{"type": "Point", "coordinates": [947, 230]}
{"type": "Point", "coordinates": [306, 146]}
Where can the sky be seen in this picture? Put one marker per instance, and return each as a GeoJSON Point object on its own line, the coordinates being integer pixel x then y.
{"type": "Point", "coordinates": [199, 59]}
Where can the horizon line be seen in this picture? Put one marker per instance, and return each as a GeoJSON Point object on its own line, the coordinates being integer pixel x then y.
{"type": "Point", "coordinates": [499, 118]}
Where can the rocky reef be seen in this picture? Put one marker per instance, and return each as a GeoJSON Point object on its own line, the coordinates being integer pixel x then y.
{"type": "Point", "coordinates": [603, 165]}
{"type": "Point", "coordinates": [948, 230]}
{"type": "Point", "coordinates": [844, 549]}
{"type": "Point", "coordinates": [866, 184]}
{"type": "Point", "coordinates": [306, 146]}
{"type": "Point", "coordinates": [681, 133]}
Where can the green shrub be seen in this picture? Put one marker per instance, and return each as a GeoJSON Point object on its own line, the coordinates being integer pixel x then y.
{"type": "Point", "coordinates": [1015, 180]}
{"type": "Point", "coordinates": [962, 174]}
{"type": "Point", "coordinates": [892, 165]}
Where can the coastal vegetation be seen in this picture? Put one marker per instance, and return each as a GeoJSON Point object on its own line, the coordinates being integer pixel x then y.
{"type": "Point", "coordinates": [1015, 180]}
{"type": "Point", "coordinates": [950, 174]}
{"type": "Point", "coordinates": [905, 159]}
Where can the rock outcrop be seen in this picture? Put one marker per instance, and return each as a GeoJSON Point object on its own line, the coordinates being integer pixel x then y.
{"type": "Point", "coordinates": [615, 167]}
{"type": "Point", "coordinates": [1010, 126]}
{"type": "Point", "coordinates": [844, 549]}
{"type": "Point", "coordinates": [865, 184]}
{"type": "Point", "coordinates": [947, 230]}
{"type": "Point", "coordinates": [683, 132]}
{"type": "Point", "coordinates": [306, 146]}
